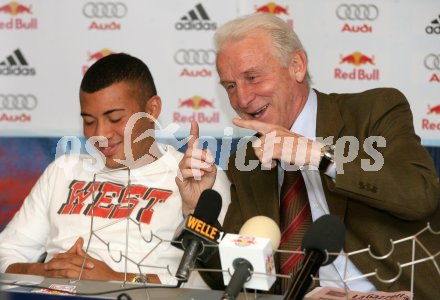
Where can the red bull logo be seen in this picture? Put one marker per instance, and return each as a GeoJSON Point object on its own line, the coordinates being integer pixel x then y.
{"type": "Point", "coordinates": [100, 54]}
{"type": "Point", "coordinates": [244, 241]}
{"type": "Point", "coordinates": [434, 110]}
{"type": "Point", "coordinates": [272, 8]}
{"type": "Point", "coordinates": [16, 22]}
{"type": "Point", "coordinates": [92, 57]}
{"type": "Point", "coordinates": [430, 124]}
{"type": "Point", "coordinates": [196, 102]}
{"type": "Point", "coordinates": [15, 8]}
{"type": "Point", "coordinates": [357, 58]}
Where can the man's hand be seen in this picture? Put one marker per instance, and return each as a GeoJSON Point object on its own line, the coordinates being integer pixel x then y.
{"type": "Point", "coordinates": [196, 173]}
{"type": "Point", "coordinates": [68, 265]}
{"type": "Point", "coordinates": [278, 143]}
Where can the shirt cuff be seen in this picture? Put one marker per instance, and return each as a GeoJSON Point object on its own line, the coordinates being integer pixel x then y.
{"type": "Point", "coordinates": [331, 171]}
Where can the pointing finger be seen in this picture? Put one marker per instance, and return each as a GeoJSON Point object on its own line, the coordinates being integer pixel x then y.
{"type": "Point", "coordinates": [258, 126]}
{"type": "Point", "coordinates": [194, 135]}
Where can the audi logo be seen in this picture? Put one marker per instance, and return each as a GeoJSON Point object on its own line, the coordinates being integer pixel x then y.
{"type": "Point", "coordinates": [359, 12]}
{"type": "Point", "coordinates": [195, 57]}
{"type": "Point", "coordinates": [432, 62]}
{"type": "Point", "coordinates": [18, 102]}
{"type": "Point", "coordinates": [104, 10]}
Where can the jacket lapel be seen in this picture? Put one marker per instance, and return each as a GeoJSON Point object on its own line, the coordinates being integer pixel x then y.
{"type": "Point", "coordinates": [264, 187]}
{"type": "Point", "coordinates": [330, 124]}
{"type": "Point", "coordinates": [264, 184]}
{"type": "Point", "coordinates": [330, 120]}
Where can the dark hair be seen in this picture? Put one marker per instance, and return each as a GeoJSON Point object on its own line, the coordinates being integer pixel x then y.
{"type": "Point", "coordinates": [115, 68]}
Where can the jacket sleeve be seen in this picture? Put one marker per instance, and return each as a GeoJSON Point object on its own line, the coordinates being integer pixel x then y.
{"type": "Point", "coordinates": [395, 174]}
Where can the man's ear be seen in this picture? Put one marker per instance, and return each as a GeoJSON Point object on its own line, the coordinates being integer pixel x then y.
{"type": "Point", "coordinates": [153, 106]}
{"type": "Point", "coordinates": [298, 65]}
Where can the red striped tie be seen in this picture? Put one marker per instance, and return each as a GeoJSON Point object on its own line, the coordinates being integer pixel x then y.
{"type": "Point", "coordinates": [295, 219]}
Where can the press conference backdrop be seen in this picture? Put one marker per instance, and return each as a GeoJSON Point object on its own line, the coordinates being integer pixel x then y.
{"type": "Point", "coordinates": [47, 45]}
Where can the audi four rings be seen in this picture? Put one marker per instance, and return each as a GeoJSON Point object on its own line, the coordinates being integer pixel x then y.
{"type": "Point", "coordinates": [194, 57]}
{"type": "Point", "coordinates": [104, 10]}
{"type": "Point", "coordinates": [432, 61]}
{"type": "Point", "coordinates": [359, 12]}
{"type": "Point", "coordinates": [18, 102]}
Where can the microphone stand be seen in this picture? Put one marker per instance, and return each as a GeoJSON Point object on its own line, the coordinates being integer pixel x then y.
{"type": "Point", "coordinates": [303, 279]}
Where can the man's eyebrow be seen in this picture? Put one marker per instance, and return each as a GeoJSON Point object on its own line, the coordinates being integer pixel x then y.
{"type": "Point", "coordinates": [245, 73]}
{"type": "Point", "coordinates": [223, 82]}
{"type": "Point", "coordinates": [113, 110]}
{"type": "Point", "coordinates": [83, 114]}
{"type": "Point", "coordinates": [250, 70]}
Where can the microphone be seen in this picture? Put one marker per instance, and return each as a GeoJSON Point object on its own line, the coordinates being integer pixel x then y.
{"type": "Point", "coordinates": [262, 226]}
{"type": "Point", "coordinates": [326, 234]}
{"type": "Point", "coordinates": [198, 232]}
{"type": "Point", "coordinates": [250, 251]}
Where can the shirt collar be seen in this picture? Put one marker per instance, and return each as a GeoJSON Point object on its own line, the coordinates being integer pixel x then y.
{"type": "Point", "coordinates": [305, 124]}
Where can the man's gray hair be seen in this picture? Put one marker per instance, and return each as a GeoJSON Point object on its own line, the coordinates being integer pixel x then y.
{"type": "Point", "coordinates": [284, 39]}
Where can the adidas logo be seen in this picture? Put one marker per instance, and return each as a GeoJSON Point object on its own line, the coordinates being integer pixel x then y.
{"type": "Point", "coordinates": [192, 14]}
{"type": "Point", "coordinates": [196, 19]}
{"type": "Point", "coordinates": [16, 64]}
{"type": "Point", "coordinates": [15, 59]}
{"type": "Point", "coordinates": [434, 27]}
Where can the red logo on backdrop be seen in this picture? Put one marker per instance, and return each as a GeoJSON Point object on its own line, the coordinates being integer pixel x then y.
{"type": "Point", "coordinates": [17, 108]}
{"type": "Point", "coordinates": [363, 67]}
{"type": "Point", "coordinates": [197, 62]}
{"type": "Point", "coordinates": [275, 9]}
{"type": "Point", "coordinates": [188, 108]}
{"type": "Point", "coordinates": [105, 14]}
{"type": "Point", "coordinates": [353, 14]}
{"type": "Point", "coordinates": [272, 8]}
{"type": "Point", "coordinates": [433, 112]}
{"type": "Point", "coordinates": [196, 103]}
{"type": "Point", "coordinates": [15, 8]}
{"type": "Point", "coordinates": [357, 59]}
{"type": "Point", "coordinates": [17, 21]}
{"type": "Point", "coordinates": [95, 56]}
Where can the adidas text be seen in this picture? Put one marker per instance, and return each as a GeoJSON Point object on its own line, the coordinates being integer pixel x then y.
{"type": "Point", "coordinates": [17, 71]}
{"type": "Point", "coordinates": [432, 30]}
{"type": "Point", "coordinates": [191, 25]}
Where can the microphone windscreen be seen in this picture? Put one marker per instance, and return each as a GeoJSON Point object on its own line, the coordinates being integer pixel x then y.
{"type": "Point", "coordinates": [262, 226]}
{"type": "Point", "coordinates": [326, 233]}
{"type": "Point", "coordinates": [209, 206]}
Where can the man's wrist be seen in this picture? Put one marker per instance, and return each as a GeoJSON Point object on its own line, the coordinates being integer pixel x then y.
{"type": "Point", "coordinates": [186, 210]}
{"type": "Point", "coordinates": [327, 158]}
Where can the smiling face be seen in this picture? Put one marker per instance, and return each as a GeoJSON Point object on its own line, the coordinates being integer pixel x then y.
{"type": "Point", "coordinates": [106, 113]}
{"type": "Point", "coordinates": [259, 86]}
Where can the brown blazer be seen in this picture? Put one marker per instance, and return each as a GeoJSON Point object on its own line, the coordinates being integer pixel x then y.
{"type": "Point", "coordinates": [395, 202]}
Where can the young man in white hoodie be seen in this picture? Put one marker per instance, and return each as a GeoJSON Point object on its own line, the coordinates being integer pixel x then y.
{"type": "Point", "coordinates": [76, 214]}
